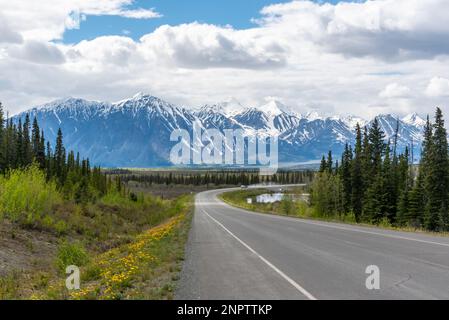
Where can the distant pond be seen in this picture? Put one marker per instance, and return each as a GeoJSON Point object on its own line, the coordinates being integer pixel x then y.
{"type": "Point", "coordinates": [277, 197]}
{"type": "Point", "coordinates": [269, 198]}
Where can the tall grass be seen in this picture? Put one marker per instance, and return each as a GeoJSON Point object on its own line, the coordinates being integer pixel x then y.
{"type": "Point", "coordinates": [71, 254]}
{"type": "Point", "coordinates": [26, 196]}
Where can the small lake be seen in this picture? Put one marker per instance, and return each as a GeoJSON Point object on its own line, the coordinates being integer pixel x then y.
{"type": "Point", "coordinates": [269, 198]}
{"type": "Point", "coordinates": [277, 197]}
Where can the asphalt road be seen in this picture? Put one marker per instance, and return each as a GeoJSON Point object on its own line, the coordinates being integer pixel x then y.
{"type": "Point", "coordinates": [236, 254]}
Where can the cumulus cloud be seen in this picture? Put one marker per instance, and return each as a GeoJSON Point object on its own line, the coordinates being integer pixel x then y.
{"type": "Point", "coordinates": [101, 54]}
{"type": "Point", "coordinates": [438, 87]}
{"type": "Point", "coordinates": [38, 52]}
{"type": "Point", "coordinates": [7, 35]}
{"type": "Point", "coordinates": [395, 90]}
{"type": "Point", "coordinates": [203, 46]}
{"type": "Point", "coordinates": [387, 29]}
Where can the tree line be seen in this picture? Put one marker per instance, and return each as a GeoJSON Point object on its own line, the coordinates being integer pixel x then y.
{"type": "Point", "coordinates": [23, 144]}
{"type": "Point", "coordinates": [375, 184]}
{"type": "Point", "coordinates": [217, 178]}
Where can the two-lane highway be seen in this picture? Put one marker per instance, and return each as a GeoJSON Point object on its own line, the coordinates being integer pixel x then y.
{"type": "Point", "coordinates": [236, 254]}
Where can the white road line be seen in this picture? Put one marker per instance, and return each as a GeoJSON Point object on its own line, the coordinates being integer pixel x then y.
{"type": "Point", "coordinates": [272, 266]}
{"type": "Point", "coordinates": [336, 227]}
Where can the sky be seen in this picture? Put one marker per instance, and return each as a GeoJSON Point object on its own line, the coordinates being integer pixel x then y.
{"type": "Point", "coordinates": [358, 58]}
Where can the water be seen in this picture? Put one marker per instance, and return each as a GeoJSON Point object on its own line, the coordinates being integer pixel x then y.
{"type": "Point", "coordinates": [269, 198]}
{"type": "Point", "coordinates": [277, 197]}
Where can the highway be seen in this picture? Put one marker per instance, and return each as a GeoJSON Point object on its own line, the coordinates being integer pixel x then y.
{"type": "Point", "coordinates": [236, 254]}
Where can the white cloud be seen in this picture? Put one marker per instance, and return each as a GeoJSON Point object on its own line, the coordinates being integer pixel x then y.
{"type": "Point", "coordinates": [7, 35]}
{"type": "Point", "coordinates": [203, 46]}
{"type": "Point", "coordinates": [395, 90]}
{"type": "Point", "coordinates": [387, 29]}
{"type": "Point", "coordinates": [37, 52]}
{"type": "Point", "coordinates": [137, 14]}
{"type": "Point", "coordinates": [100, 54]}
{"type": "Point", "coordinates": [438, 87]}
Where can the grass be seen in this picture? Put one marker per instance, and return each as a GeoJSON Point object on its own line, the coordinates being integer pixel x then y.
{"type": "Point", "coordinates": [9, 286]}
{"type": "Point", "coordinates": [71, 254]}
{"type": "Point", "coordinates": [302, 210]}
{"type": "Point", "coordinates": [127, 247]}
{"type": "Point", "coordinates": [147, 266]}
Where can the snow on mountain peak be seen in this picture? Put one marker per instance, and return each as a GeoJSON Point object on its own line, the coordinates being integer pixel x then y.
{"type": "Point", "coordinates": [313, 115]}
{"type": "Point", "coordinates": [414, 119]}
{"type": "Point", "coordinates": [301, 137]}
{"type": "Point", "coordinates": [275, 108]}
{"type": "Point", "coordinates": [140, 95]}
{"type": "Point", "coordinates": [352, 121]}
{"type": "Point", "coordinates": [229, 107]}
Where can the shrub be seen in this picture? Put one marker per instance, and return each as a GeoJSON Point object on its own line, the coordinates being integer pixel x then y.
{"type": "Point", "coordinates": [61, 227]}
{"type": "Point", "coordinates": [71, 254]}
{"type": "Point", "coordinates": [26, 196]}
{"type": "Point", "coordinates": [287, 205]}
{"type": "Point", "coordinates": [133, 197]}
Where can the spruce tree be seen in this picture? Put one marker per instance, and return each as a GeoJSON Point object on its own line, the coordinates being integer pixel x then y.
{"type": "Point", "coordinates": [330, 163]}
{"type": "Point", "coordinates": [437, 179]}
{"type": "Point", "coordinates": [27, 151]}
{"type": "Point", "coordinates": [416, 203]}
{"type": "Point", "coordinates": [357, 176]}
{"type": "Point", "coordinates": [323, 165]}
{"type": "Point", "coordinates": [35, 138]}
{"type": "Point", "coordinates": [59, 157]}
{"type": "Point", "coordinates": [389, 204]}
{"type": "Point", "coordinates": [345, 172]}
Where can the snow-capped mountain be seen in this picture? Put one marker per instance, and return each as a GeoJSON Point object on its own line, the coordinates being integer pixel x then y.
{"type": "Point", "coordinates": [136, 132]}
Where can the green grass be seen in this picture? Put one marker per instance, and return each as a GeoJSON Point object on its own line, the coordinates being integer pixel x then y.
{"type": "Point", "coordinates": [71, 254]}
{"type": "Point", "coordinates": [82, 234]}
{"type": "Point", "coordinates": [9, 286]}
{"type": "Point", "coordinates": [146, 267]}
{"type": "Point", "coordinates": [131, 263]}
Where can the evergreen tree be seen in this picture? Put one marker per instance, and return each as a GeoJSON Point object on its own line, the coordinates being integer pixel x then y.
{"type": "Point", "coordinates": [357, 176]}
{"type": "Point", "coordinates": [330, 163]}
{"type": "Point", "coordinates": [416, 203]}
{"type": "Point", "coordinates": [345, 172]}
{"type": "Point", "coordinates": [59, 157]}
{"type": "Point", "coordinates": [323, 165]}
{"type": "Point", "coordinates": [437, 178]}
{"type": "Point", "coordinates": [27, 152]}
{"type": "Point", "coordinates": [390, 198]}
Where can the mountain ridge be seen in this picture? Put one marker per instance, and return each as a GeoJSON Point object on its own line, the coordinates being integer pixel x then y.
{"type": "Point", "coordinates": [135, 132]}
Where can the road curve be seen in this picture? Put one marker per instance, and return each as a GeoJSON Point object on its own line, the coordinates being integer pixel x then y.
{"type": "Point", "coordinates": [236, 254]}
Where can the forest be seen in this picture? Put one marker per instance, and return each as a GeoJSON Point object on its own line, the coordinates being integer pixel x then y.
{"type": "Point", "coordinates": [375, 184]}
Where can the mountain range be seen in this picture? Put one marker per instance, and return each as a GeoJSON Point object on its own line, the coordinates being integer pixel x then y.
{"type": "Point", "coordinates": [136, 132]}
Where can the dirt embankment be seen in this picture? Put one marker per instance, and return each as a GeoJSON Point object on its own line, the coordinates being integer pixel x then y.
{"type": "Point", "coordinates": [22, 249]}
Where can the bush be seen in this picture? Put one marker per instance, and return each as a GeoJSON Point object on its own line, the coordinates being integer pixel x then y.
{"type": "Point", "coordinates": [25, 195]}
{"type": "Point", "coordinates": [71, 254]}
{"type": "Point", "coordinates": [288, 207]}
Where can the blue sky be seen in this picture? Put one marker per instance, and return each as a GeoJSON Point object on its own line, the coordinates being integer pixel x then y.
{"type": "Point", "coordinates": [237, 13]}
